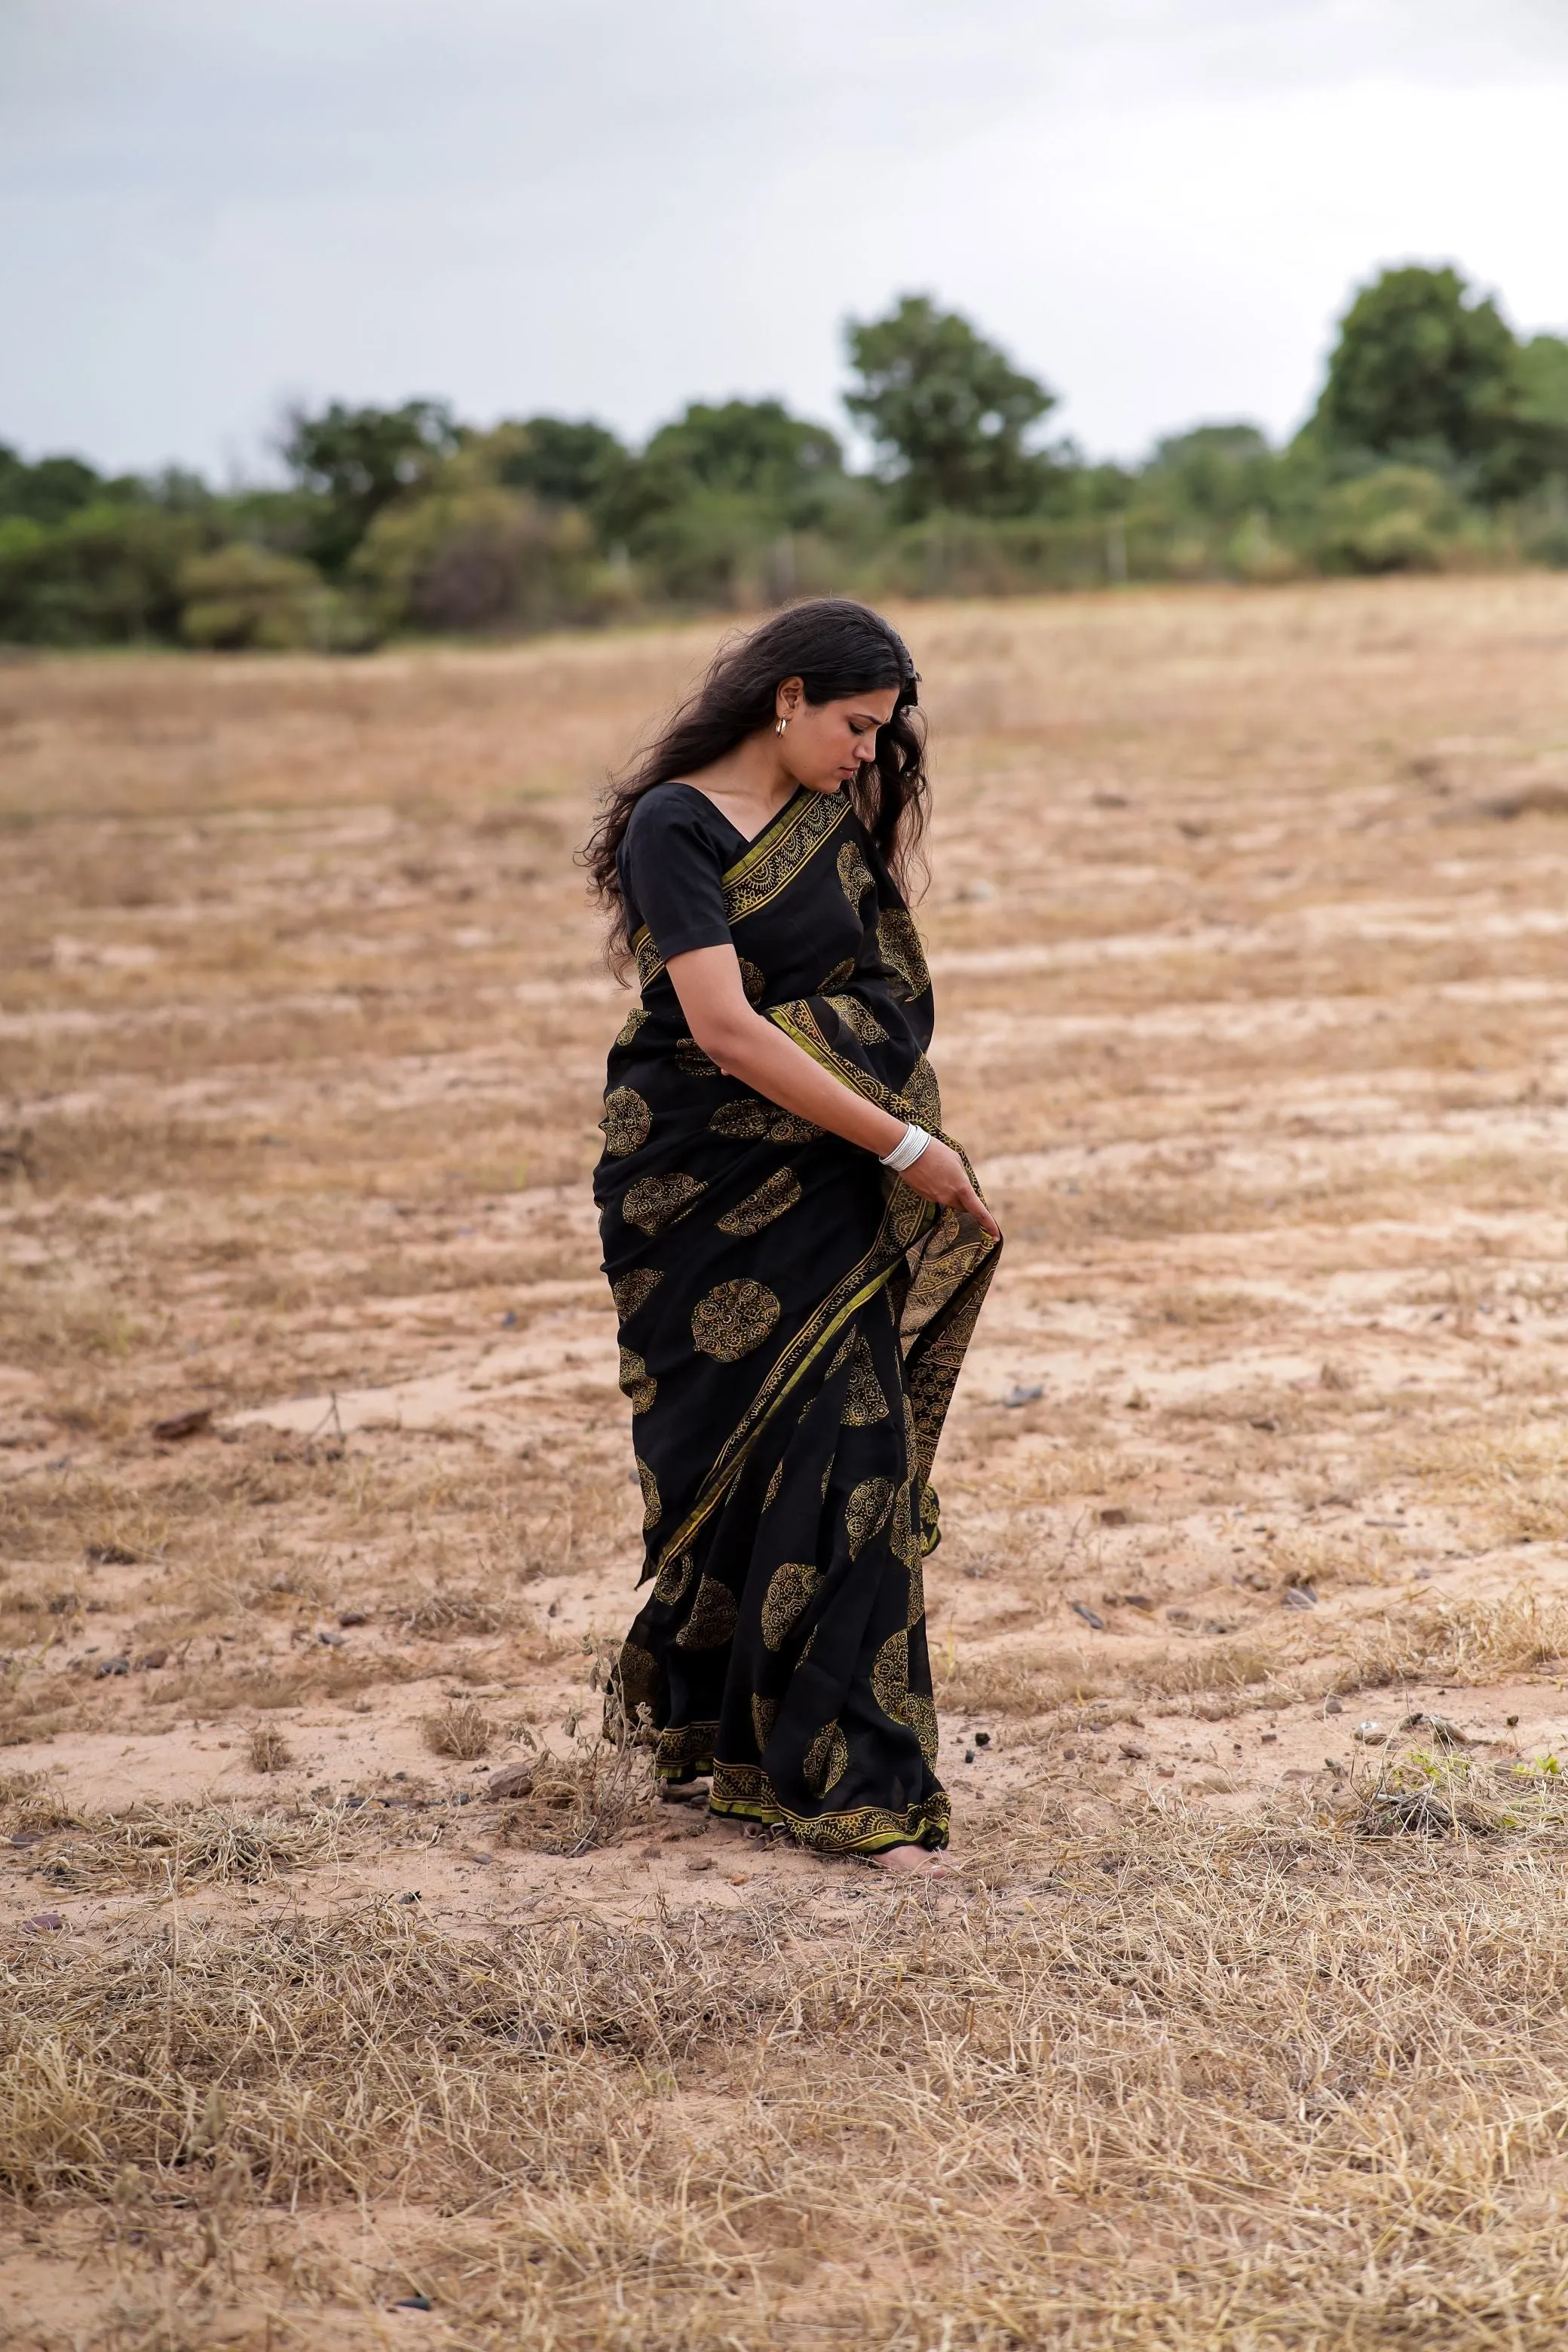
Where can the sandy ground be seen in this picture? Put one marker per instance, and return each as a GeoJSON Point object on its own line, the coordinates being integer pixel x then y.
{"type": "Point", "coordinates": [1246, 920]}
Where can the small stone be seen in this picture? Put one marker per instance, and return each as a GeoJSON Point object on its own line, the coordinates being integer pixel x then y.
{"type": "Point", "coordinates": [983, 1739]}
{"type": "Point", "coordinates": [511, 1780]}
{"type": "Point", "coordinates": [114, 1666]}
{"type": "Point", "coordinates": [1370, 1734]}
{"type": "Point", "coordinates": [704, 1862]}
{"type": "Point", "coordinates": [1021, 1395]}
{"type": "Point", "coordinates": [1091, 1617]}
{"type": "Point", "coordinates": [1300, 1596]}
{"type": "Point", "coordinates": [414, 2303]}
{"type": "Point", "coordinates": [408, 1898]}
{"type": "Point", "coordinates": [44, 1922]}
{"type": "Point", "coordinates": [1511, 1721]}
{"type": "Point", "coordinates": [352, 1617]}
{"type": "Point", "coordinates": [1269, 1738]}
{"type": "Point", "coordinates": [1333, 1706]}
{"type": "Point", "coordinates": [1114, 1515]}
{"type": "Point", "coordinates": [1133, 1753]}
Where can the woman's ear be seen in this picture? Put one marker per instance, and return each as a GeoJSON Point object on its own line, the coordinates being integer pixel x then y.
{"type": "Point", "coordinates": [789, 698]}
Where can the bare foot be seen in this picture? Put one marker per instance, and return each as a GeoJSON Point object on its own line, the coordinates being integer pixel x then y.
{"type": "Point", "coordinates": [912, 1862]}
{"type": "Point", "coordinates": [684, 1793]}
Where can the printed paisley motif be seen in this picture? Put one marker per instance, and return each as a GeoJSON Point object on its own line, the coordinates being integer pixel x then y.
{"type": "Point", "coordinates": [632, 1023]}
{"type": "Point", "coordinates": [636, 1381]}
{"type": "Point", "coordinates": [781, 1192]}
{"type": "Point", "coordinates": [920, 1716]}
{"type": "Point", "coordinates": [838, 976]}
{"type": "Point", "coordinates": [734, 1318]}
{"type": "Point", "coordinates": [691, 1057]}
{"type": "Point", "coordinates": [775, 1483]}
{"type": "Point", "coordinates": [765, 1715]}
{"type": "Point", "coordinates": [891, 1677]}
{"type": "Point", "coordinates": [901, 1534]}
{"type": "Point", "coordinates": [898, 945]}
{"type": "Point", "coordinates": [924, 1094]}
{"type": "Point", "coordinates": [791, 1588]}
{"type": "Point", "coordinates": [626, 1121]}
{"type": "Point", "coordinates": [864, 1402]}
{"type": "Point", "coordinates": [636, 1671]}
{"type": "Point", "coordinates": [826, 1759]}
{"type": "Point", "coordinates": [865, 1511]}
{"type": "Point", "coordinates": [651, 1505]}
{"type": "Point", "coordinates": [854, 874]}
{"type": "Point", "coordinates": [916, 1609]}
{"type": "Point", "coordinates": [749, 1121]}
{"type": "Point", "coordinates": [655, 1201]}
{"type": "Point", "coordinates": [635, 1289]}
{"type": "Point", "coordinates": [753, 980]}
{"type": "Point", "coordinates": [859, 1020]}
{"type": "Point", "coordinates": [712, 1618]}
{"type": "Point", "coordinates": [674, 1577]}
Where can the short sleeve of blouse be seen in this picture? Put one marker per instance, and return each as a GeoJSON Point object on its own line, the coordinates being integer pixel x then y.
{"type": "Point", "coordinates": [672, 863]}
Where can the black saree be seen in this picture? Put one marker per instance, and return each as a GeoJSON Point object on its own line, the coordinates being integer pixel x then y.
{"type": "Point", "coordinates": [792, 1321]}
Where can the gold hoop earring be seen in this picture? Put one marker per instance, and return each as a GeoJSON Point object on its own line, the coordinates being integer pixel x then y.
{"type": "Point", "coordinates": [780, 728]}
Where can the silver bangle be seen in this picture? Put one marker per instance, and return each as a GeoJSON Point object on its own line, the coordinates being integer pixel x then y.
{"type": "Point", "coordinates": [907, 1150]}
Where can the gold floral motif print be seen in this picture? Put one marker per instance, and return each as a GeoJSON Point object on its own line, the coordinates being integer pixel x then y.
{"type": "Point", "coordinates": [854, 874]}
{"type": "Point", "coordinates": [734, 1318]}
{"type": "Point", "coordinates": [865, 1511]}
{"type": "Point", "coordinates": [749, 1121]}
{"type": "Point", "coordinates": [922, 1093]}
{"type": "Point", "coordinates": [655, 1201]}
{"type": "Point", "coordinates": [859, 1020]}
{"type": "Point", "coordinates": [898, 945]}
{"type": "Point", "coordinates": [753, 980]}
{"type": "Point", "coordinates": [920, 1716]}
{"type": "Point", "coordinates": [635, 1289]}
{"type": "Point", "coordinates": [626, 1121]}
{"type": "Point", "coordinates": [712, 1618]}
{"type": "Point", "coordinates": [781, 1192]}
{"type": "Point", "coordinates": [765, 1715]}
{"type": "Point", "coordinates": [790, 1589]}
{"type": "Point", "coordinates": [864, 1402]}
{"type": "Point", "coordinates": [901, 1534]}
{"type": "Point", "coordinates": [691, 1057]}
{"type": "Point", "coordinates": [637, 1672]}
{"type": "Point", "coordinates": [838, 976]}
{"type": "Point", "coordinates": [826, 1759]}
{"type": "Point", "coordinates": [890, 1676]}
{"type": "Point", "coordinates": [632, 1023]}
{"type": "Point", "coordinates": [916, 1609]}
{"type": "Point", "coordinates": [652, 1509]}
{"type": "Point", "coordinates": [674, 1577]}
{"type": "Point", "coordinates": [636, 1382]}
{"type": "Point", "coordinates": [775, 1483]}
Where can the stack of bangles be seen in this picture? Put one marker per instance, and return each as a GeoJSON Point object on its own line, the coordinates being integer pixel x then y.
{"type": "Point", "coordinates": [907, 1150]}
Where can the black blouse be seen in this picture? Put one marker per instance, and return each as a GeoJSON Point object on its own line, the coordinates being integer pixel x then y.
{"type": "Point", "coordinates": [672, 862]}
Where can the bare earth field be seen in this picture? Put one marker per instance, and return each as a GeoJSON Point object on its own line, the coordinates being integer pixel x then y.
{"type": "Point", "coordinates": [1243, 2023]}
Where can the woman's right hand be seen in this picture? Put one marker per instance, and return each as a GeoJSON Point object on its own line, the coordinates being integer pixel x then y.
{"type": "Point", "coordinates": [940, 1175]}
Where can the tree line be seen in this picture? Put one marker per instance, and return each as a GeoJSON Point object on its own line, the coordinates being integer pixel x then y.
{"type": "Point", "coordinates": [1439, 440]}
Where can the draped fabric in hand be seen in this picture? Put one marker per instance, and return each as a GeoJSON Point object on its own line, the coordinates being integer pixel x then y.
{"type": "Point", "coordinates": [792, 1322]}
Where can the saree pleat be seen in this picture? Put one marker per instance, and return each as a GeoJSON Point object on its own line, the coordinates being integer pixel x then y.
{"type": "Point", "coordinates": [792, 1324]}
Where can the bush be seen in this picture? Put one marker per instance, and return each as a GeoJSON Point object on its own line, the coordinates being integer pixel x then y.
{"type": "Point", "coordinates": [106, 575]}
{"type": "Point", "coordinates": [487, 559]}
{"type": "Point", "coordinates": [243, 599]}
{"type": "Point", "coordinates": [1397, 519]}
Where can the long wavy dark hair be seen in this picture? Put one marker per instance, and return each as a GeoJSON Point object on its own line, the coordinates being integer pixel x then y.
{"type": "Point", "coordinates": [836, 647]}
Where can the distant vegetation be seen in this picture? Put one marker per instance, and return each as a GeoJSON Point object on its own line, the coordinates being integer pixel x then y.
{"type": "Point", "coordinates": [1440, 440]}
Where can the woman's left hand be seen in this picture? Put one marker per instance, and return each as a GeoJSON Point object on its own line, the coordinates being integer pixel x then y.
{"type": "Point", "coordinates": [940, 1175]}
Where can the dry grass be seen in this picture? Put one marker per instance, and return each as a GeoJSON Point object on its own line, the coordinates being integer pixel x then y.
{"type": "Point", "coordinates": [461, 1729]}
{"type": "Point", "coordinates": [1252, 1017]}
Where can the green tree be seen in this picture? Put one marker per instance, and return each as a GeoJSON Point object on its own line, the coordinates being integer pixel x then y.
{"type": "Point", "coordinates": [949, 413]}
{"type": "Point", "coordinates": [355, 461]}
{"type": "Point", "coordinates": [564, 463]}
{"type": "Point", "coordinates": [54, 488]}
{"type": "Point", "coordinates": [1422, 367]}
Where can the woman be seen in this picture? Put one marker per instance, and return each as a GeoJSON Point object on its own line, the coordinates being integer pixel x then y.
{"type": "Point", "coordinates": [797, 1257]}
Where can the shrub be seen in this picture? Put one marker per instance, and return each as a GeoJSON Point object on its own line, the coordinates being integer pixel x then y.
{"type": "Point", "coordinates": [1396, 518]}
{"type": "Point", "coordinates": [106, 575]}
{"type": "Point", "coordinates": [243, 598]}
{"type": "Point", "coordinates": [487, 559]}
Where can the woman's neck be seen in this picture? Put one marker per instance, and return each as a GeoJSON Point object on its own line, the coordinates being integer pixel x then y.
{"type": "Point", "coordinates": [749, 785]}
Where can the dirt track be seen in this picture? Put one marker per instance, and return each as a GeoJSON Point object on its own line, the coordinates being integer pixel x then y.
{"type": "Point", "coordinates": [1248, 926]}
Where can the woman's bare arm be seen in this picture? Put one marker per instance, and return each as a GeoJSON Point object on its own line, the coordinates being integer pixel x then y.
{"type": "Point", "coordinates": [748, 1046]}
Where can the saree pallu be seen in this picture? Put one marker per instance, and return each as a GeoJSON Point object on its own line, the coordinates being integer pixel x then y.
{"type": "Point", "coordinates": [792, 1321]}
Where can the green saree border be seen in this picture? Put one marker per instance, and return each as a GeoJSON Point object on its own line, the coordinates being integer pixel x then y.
{"type": "Point", "coordinates": [865, 1829]}
{"type": "Point", "coordinates": [895, 1234]}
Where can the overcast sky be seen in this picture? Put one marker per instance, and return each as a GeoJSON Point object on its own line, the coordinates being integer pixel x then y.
{"type": "Point", "coordinates": [608, 207]}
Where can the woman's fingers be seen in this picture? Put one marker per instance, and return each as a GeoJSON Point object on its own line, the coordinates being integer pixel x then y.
{"type": "Point", "coordinates": [941, 1176]}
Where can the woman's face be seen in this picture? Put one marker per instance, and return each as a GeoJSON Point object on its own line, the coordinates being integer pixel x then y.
{"type": "Point", "coordinates": [825, 742]}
